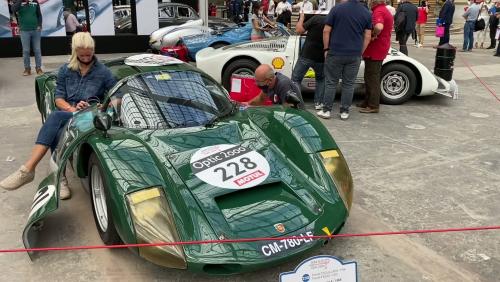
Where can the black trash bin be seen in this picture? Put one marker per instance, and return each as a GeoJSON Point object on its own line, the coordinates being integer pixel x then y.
{"type": "Point", "coordinates": [445, 59]}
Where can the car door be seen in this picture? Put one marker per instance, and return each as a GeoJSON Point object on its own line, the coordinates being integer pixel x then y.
{"type": "Point", "coordinates": [166, 16]}
{"type": "Point", "coordinates": [184, 14]}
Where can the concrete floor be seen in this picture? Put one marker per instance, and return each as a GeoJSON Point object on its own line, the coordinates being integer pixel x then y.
{"type": "Point", "coordinates": [430, 163]}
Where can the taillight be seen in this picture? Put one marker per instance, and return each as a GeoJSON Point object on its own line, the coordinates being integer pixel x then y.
{"type": "Point", "coordinates": [179, 51]}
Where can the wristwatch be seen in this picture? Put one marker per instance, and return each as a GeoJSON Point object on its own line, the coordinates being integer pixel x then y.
{"type": "Point", "coordinates": [326, 49]}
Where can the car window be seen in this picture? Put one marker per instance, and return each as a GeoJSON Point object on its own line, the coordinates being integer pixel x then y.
{"type": "Point", "coordinates": [169, 99]}
{"type": "Point", "coordinates": [166, 12]}
{"type": "Point", "coordinates": [183, 12]}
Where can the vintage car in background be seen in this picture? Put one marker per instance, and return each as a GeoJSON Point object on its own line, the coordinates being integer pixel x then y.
{"type": "Point", "coordinates": [402, 77]}
{"type": "Point", "coordinates": [220, 38]}
{"type": "Point", "coordinates": [168, 157]}
{"type": "Point", "coordinates": [170, 35]}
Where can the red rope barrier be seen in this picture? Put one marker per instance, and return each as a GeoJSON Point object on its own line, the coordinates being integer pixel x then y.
{"type": "Point", "coordinates": [480, 80]}
{"type": "Point", "coordinates": [246, 240]}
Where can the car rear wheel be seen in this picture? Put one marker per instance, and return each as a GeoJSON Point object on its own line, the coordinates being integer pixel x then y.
{"type": "Point", "coordinates": [241, 67]}
{"type": "Point", "coordinates": [99, 196]}
{"type": "Point", "coordinates": [397, 84]}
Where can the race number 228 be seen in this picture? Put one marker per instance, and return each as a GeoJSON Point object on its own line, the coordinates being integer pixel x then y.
{"type": "Point", "coordinates": [230, 166]}
{"type": "Point", "coordinates": [237, 168]}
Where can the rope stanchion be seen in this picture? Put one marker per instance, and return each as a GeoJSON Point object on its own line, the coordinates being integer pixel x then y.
{"type": "Point", "coordinates": [247, 240]}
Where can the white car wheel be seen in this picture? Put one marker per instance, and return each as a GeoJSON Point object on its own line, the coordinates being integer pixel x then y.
{"type": "Point", "coordinates": [397, 84]}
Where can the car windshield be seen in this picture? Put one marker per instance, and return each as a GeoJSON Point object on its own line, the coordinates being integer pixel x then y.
{"type": "Point", "coordinates": [169, 99]}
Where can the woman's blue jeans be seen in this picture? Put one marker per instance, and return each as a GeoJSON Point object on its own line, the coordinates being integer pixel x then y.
{"type": "Point", "coordinates": [52, 128]}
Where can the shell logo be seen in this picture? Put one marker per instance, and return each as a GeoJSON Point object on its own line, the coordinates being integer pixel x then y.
{"type": "Point", "coordinates": [278, 63]}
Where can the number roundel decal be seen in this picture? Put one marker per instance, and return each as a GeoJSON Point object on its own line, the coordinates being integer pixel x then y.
{"type": "Point", "coordinates": [229, 166]}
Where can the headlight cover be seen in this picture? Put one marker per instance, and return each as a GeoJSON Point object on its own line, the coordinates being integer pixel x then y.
{"type": "Point", "coordinates": [336, 166]}
{"type": "Point", "coordinates": [153, 222]}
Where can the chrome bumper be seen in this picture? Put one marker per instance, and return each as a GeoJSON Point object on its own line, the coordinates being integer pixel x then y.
{"type": "Point", "coordinates": [447, 88]}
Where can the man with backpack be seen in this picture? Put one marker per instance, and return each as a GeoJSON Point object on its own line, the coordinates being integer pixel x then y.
{"type": "Point", "coordinates": [404, 23]}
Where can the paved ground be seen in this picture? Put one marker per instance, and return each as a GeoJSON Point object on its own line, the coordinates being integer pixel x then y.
{"type": "Point", "coordinates": [430, 163]}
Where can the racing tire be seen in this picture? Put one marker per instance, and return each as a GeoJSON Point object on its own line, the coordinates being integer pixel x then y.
{"type": "Point", "coordinates": [397, 84]}
{"type": "Point", "coordinates": [241, 66]}
{"type": "Point", "coordinates": [99, 198]}
{"type": "Point", "coordinates": [218, 45]}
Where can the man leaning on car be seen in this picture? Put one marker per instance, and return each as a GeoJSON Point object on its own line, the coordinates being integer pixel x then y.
{"type": "Point", "coordinates": [277, 87]}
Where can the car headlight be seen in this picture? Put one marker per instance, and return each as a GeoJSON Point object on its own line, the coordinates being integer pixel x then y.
{"type": "Point", "coordinates": [153, 222]}
{"type": "Point", "coordinates": [336, 166]}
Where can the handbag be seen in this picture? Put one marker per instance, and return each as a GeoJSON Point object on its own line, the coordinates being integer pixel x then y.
{"type": "Point", "coordinates": [439, 31]}
{"type": "Point", "coordinates": [479, 24]}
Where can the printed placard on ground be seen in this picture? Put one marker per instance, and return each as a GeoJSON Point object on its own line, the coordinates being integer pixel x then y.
{"type": "Point", "coordinates": [230, 166]}
{"type": "Point", "coordinates": [322, 269]}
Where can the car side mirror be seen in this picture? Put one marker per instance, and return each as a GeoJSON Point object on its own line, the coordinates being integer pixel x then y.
{"type": "Point", "coordinates": [102, 122]}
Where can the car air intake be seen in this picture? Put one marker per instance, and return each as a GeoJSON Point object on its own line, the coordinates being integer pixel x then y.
{"type": "Point", "coordinates": [228, 268]}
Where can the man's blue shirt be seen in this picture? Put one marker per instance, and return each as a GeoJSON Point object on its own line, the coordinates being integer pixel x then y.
{"type": "Point", "coordinates": [73, 87]}
{"type": "Point", "coordinates": [348, 20]}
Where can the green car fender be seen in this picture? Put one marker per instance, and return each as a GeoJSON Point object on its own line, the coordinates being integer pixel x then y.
{"type": "Point", "coordinates": [308, 134]}
{"type": "Point", "coordinates": [127, 167]}
{"type": "Point", "coordinates": [130, 165]}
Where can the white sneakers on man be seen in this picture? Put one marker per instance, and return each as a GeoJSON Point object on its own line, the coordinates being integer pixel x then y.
{"type": "Point", "coordinates": [344, 115]}
{"type": "Point", "coordinates": [323, 114]}
{"type": "Point", "coordinates": [318, 106]}
{"type": "Point", "coordinates": [64, 191]}
{"type": "Point", "coordinates": [17, 179]}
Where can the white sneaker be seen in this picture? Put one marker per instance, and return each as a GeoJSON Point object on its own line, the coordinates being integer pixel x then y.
{"type": "Point", "coordinates": [420, 45]}
{"type": "Point", "coordinates": [344, 115]}
{"type": "Point", "coordinates": [64, 192]}
{"type": "Point", "coordinates": [318, 106]}
{"type": "Point", "coordinates": [17, 179]}
{"type": "Point", "coordinates": [325, 115]}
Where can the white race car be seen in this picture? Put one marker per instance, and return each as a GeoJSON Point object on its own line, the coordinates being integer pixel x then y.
{"type": "Point", "coordinates": [402, 77]}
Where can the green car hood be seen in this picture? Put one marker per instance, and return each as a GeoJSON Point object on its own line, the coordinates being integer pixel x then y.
{"type": "Point", "coordinates": [286, 196]}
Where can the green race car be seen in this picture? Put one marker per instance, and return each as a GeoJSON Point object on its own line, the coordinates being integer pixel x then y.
{"type": "Point", "coordinates": [168, 157]}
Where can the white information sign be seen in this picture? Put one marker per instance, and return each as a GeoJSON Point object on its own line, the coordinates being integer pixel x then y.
{"type": "Point", "coordinates": [230, 166]}
{"type": "Point", "coordinates": [322, 269]}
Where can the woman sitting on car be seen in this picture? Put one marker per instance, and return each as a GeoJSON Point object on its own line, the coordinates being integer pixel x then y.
{"type": "Point", "coordinates": [260, 23]}
{"type": "Point", "coordinates": [78, 81]}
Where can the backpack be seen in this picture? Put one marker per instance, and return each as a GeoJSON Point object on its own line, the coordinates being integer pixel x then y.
{"type": "Point", "coordinates": [400, 21]}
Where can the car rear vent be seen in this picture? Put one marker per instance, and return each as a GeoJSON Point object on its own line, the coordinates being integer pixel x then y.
{"type": "Point", "coordinates": [274, 44]}
{"type": "Point", "coordinates": [222, 268]}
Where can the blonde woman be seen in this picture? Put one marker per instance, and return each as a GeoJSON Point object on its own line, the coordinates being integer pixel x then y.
{"type": "Point", "coordinates": [83, 77]}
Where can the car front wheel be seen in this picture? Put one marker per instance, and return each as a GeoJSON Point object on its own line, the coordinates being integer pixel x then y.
{"type": "Point", "coordinates": [240, 67]}
{"type": "Point", "coordinates": [99, 195]}
{"type": "Point", "coordinates": [397, 84]}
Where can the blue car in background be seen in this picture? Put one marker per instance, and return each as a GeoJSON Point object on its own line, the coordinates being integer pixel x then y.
{"type": "Point", "coordinates": [222, 37]}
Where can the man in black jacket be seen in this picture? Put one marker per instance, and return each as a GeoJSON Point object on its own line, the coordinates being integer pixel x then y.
{"type": "Point", "coordinates": [446, 17]}
{"type": "Point", "coordinates": [405, 24]}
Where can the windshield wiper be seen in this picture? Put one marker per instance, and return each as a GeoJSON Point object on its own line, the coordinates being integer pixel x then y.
{"type": "Point", "coordinates": [216, 118]}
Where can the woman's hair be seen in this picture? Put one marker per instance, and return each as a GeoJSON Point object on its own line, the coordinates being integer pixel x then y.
{"type": "Point", "coordinates": [255, 8]}
{"type": "Point", "coordinates": [423, 3]}
{"type": "Point", "coordinates": [80, 40]}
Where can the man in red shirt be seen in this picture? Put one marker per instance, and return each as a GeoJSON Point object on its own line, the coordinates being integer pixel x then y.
{"type": "Point", "coordinates": [374, 54]}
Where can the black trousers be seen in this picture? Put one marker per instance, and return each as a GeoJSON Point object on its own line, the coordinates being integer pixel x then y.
{"type": "Point", "coordinates": [446, 36]}
{"type": "Point", "coordinates": [493, 32]}
{"type": "Point", "coordinates": [402, 37]}
{"type": "Point", "coordinates": [372, 83]}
